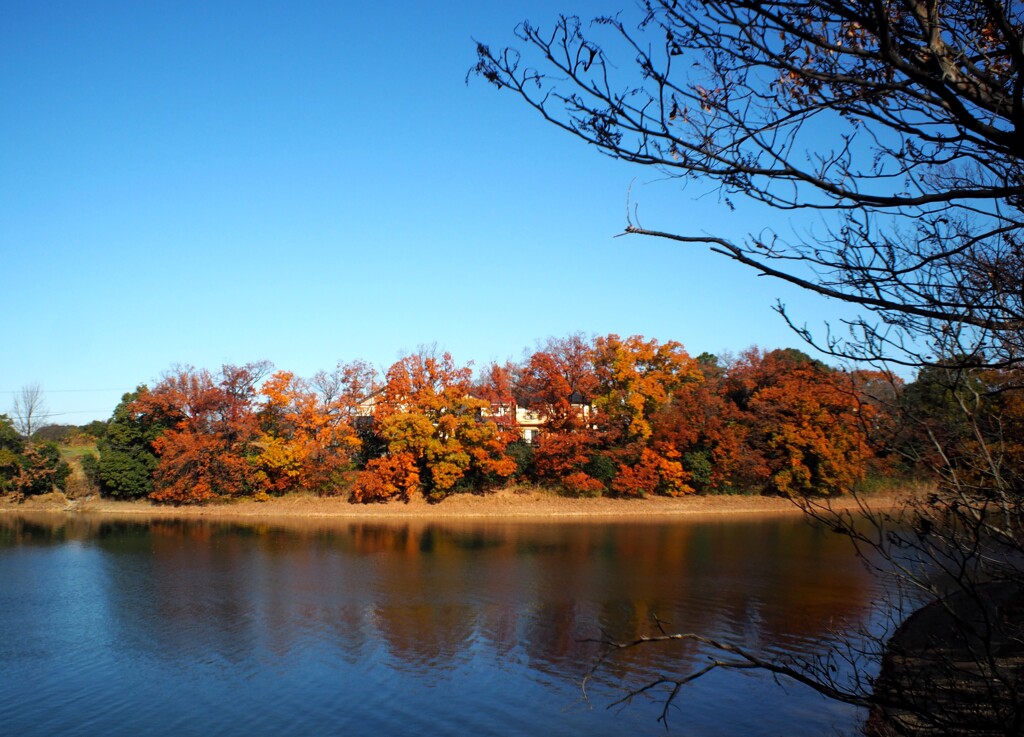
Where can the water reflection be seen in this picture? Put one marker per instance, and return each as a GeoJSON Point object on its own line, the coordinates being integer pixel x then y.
{"type": "Point", "coordinates": [482, 605]}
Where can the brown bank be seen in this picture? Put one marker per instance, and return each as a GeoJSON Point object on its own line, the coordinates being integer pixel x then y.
{"type": "Point", "coordinates": [526, 504]}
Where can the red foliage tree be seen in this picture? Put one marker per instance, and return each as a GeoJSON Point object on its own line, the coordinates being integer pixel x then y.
{"type": "Point", "coordinates": [559, 454]}
{"type": "Point", "coordinates": [496, 385]}
{"type": "Point", "coordinates": [207, 451]}
{"type": "Point", "coordinates": [708, 432]}
{"type": "Point", "coordinates": [559, 381]}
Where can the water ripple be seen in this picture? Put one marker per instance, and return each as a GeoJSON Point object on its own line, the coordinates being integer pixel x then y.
{"type": "Point", "coordinates": [204, 630]}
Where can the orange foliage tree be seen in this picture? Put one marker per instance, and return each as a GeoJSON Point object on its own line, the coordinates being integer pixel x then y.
{"type": "Point", "coordinates": [435, 433]}
{"type": "Point", "coordinates": [496, 385]}
{"type": "Point", "coordinates": [806, 422]}
{"type": "Point", "coordinates": [307, 437]}
{"type": "Point", "coordinates": [653, 472]}
{"type": "Point", "coordinates": [636, 378]}
{"type": "Point", "coordinates": [560, 454]}
{"type": "Point", "coordinates": [1000, 418]}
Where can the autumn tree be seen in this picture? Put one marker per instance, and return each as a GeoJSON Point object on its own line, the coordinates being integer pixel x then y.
{"type": "Point", "coordinates": [435, 434]}
{"type": "Point", "coordinates": [598, 398]}
{"type": "Point", "coordinates": [307, 433]}
{"type": "Point", "coordinates": [1000, 419]}
{"type": "Point", "coordinates": [806, 422]}
{"type": "Point", "coordinates": [571, 460]}
{"type": "Point", "coordinates": [497, 385]}
{"type": "Point", "coordinates": [41, 470]}
{"type": "Point", "coordinates": [898, 126]}
{"type": "Point", "coordinates": [710, 433]}
{"type": "Point", "coordinates": [342, 391]}
{"type": "Point", "coordinates": [637, 378]}
{"type": "Point", "coordinates": [208, 448]}
{"type": "Point", "coordinates": [559, 381]}
{"type": "Point", "coordinates": [964, 421]}
{"type": "Point", "coordinates": [29, 468]}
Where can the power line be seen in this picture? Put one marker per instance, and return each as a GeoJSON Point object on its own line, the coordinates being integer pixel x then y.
{"type": "Point", "coordinates": [67, 391]}
{"type": "Point", "coordinates": [74, 412]}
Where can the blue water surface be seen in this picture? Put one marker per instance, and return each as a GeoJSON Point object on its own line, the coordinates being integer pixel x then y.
{"type": "Point", "coordinates": [333, 628]}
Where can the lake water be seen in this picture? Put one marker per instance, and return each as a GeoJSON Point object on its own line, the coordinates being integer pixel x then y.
{"type": "Point", "coordinates": [337, 628]}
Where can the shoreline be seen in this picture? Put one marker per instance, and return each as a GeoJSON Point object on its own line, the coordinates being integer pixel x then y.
{"type": "Point", "coordinates": [505, 505]}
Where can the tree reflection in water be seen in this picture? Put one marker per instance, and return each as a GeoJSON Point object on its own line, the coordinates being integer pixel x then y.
{"type": "Point", "coordinates": [433, 601]}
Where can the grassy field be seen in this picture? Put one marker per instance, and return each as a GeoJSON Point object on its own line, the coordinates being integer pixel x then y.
{"type": "Point", "coordinates": [77, 484]}
{"type": "Point", "coordinates": [72, 453]}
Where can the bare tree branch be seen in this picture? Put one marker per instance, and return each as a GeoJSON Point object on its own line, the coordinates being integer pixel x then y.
{"type": "Point", "coordinates": [29, 411]}
{"type": "Point", "coordinates": [902, 122]}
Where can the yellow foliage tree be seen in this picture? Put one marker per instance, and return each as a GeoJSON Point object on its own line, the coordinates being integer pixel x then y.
{"type": "Point", "coordinates": [436, 435]}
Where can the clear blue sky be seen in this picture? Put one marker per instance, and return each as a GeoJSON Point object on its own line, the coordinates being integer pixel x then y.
{"type": "Point", "coordinates": [209, 183]}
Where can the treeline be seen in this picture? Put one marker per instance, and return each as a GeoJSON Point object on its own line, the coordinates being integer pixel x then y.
{"type": "Point", "coordinates": [624, 417]}
{"type": "Point", "coordinates": [602, 416]}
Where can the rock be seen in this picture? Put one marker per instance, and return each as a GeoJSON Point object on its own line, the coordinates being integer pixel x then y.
{"type": "Point", "coordinates": [956, 667]}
